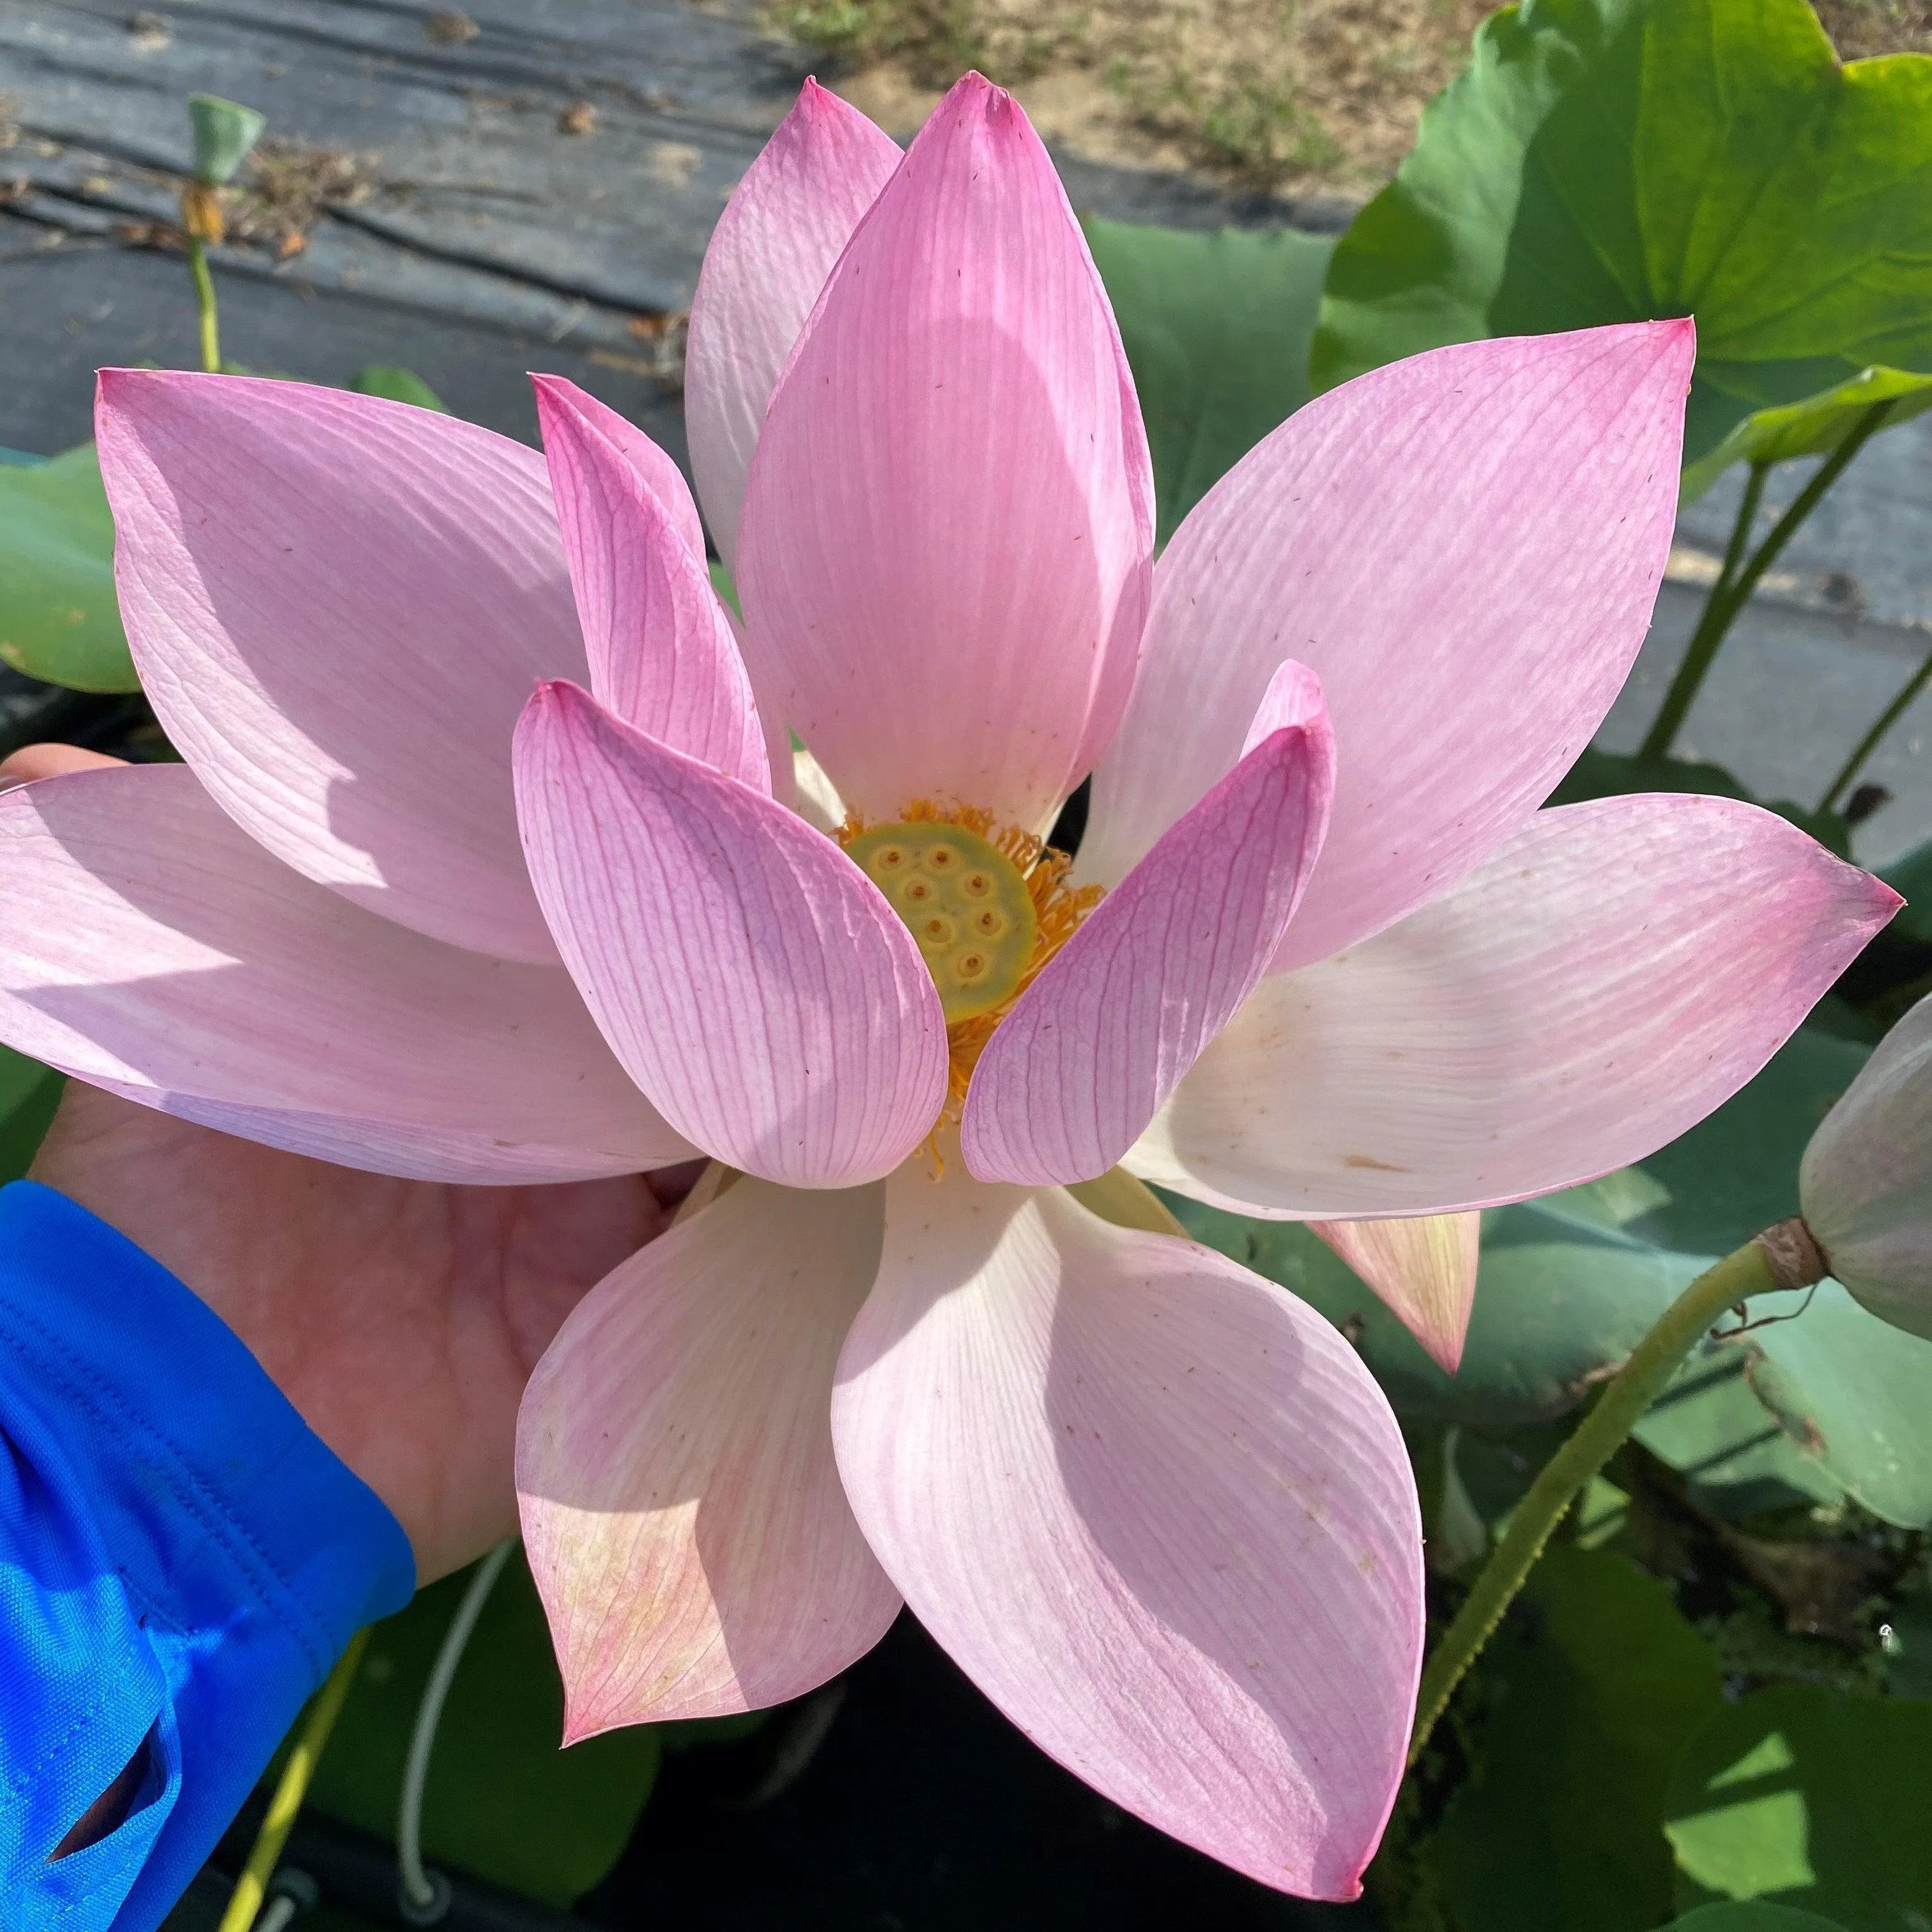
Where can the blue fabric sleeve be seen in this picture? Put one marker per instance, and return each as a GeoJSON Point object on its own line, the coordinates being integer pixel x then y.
{"type": "Point", "coordinates": [181, 1561]}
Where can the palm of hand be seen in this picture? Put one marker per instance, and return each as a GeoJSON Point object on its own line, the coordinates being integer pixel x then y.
{"type": "Point", "coordinates": [402, 1318]}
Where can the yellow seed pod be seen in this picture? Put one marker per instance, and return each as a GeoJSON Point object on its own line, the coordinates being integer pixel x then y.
{"type": "Point", "coordinates": [964, 902]}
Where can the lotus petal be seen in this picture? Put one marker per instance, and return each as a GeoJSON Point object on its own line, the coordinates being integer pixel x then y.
{"type": "Point", "coordinates": [1098, 1041]}
{"type": "Point", "coordinates": [1423, 1266]}
{"type": "Point", "coordinates": [337, 605]}
{"type": "Point", "coordinates": [1157, 1509]}
{"type": "Point", "coordinates": [151, 947]}
{"type": "Point", "coordinates": [1551, 1019]}
{"type": "Point", "coordinates": [944, 553]}
{"type": "Point", "coordinates": [1465, 548]}
{"type": "Point", "coordinates": [662, 654]}
{"type": "Point", "coordinates": [681, 1508]}
{"type": "Point", "coordinates": [750, 978]}
{"type": "Point", "coordinates": [785, 225]}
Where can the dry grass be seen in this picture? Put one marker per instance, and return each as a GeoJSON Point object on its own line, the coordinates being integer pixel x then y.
{"type": "Point", "coordinates": [1862, 28]}
{"type": "Point", "coordinates": [1291, 94]}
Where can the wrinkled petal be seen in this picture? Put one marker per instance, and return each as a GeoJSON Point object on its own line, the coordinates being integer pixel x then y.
{"type": "Point", "coordinates": [149, 946]}
{"type": "Point", "coordinates": [337, 605]}
{"type": "Point", "coordinates": [662, 654]}
{"type": "Point", "coordinates": [785, 225]}
{"type": "Point", "coordinates": [1615, 971]}
{"type": "Point", "coordinates": [944, 551]}
{"type": "Point", "coordinates": [1422, 1266]}
{"type": "Point", "coordinates": [1866, 1181]}
{"type": "Point", "coordinates": [1156, 1508]}
{"type": "Point", "coordinates": [1096, 1043]}
{"type": "Point", "coordinates": [750, 978]}
{"type": "Point", "coordinates": [681, 1507]}
{"type": "Point", "coordinates": [657, 471]}
{"type": "Point", "coordinates": [1465, 547]}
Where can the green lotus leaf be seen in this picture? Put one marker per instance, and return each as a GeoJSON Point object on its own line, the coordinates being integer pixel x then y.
{"type": "Point", "coordinates": [1625, 160]}
{"type": "Point", "coordinates": [1815, 427]}
{"type": "Point", "coordinates": [58, 617]}
{"type": "Point", "coordinates": [1793, 1797]}
{"type": "Point", "coordinates": [1753, 1916]}
{"type": "Point", "coordinates": [29, 1093]}
{"type": "Point", "coordinates": [1589, 1698]}
{"type": "Point", "coordinates": [399, 385]}
{"type": "Point", "coordinates": [1216, 329]}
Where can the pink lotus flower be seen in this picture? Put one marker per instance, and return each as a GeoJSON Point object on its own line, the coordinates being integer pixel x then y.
{"type": "Point", "coordinates": [1154, 1506]}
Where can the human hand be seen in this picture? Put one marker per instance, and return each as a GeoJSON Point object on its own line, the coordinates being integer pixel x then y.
{"type": "Point", "coordinates": [402, 1318]}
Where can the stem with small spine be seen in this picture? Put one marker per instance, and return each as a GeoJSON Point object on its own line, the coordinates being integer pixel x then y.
{"type": "Point", "coordinates": [1752, 1270]}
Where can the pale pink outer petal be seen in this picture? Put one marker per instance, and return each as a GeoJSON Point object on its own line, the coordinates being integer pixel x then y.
{"type": "Point", "coordinates": [654, 468]}
{"type": "Point", "coordinates": [149, 946]}
{"type": "Point", "coordinates": [944, 551]}
{"type": "Point", "coordinates": [1423, 1266]}
{"type": "Point", "coordinates": [785, 225]}
{"type": "Point", "coordinates": [681, 1508]}
{"type": "Point", "coordinates": [1155, 1507]}
{"type": "Point", "coordinates": [1101, 1039]}
{"type": "Point", "coordinates": [1464, 546]}
{"type": "Point", "coordinates": [752, 981]}
{"type": "Point", "coordinates": [663, 656]}
{"type": "Point", "coordinates": [337, 605]}
{"type": "Point", "coordinates": [1615, 971]}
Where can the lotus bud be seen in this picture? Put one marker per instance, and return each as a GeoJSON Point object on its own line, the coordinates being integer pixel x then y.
{"type": "Point", "coordinates": [1866, 1183]}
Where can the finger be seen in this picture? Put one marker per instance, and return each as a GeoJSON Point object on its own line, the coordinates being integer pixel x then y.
{"type": "Point", "coordinates": [47, 761]}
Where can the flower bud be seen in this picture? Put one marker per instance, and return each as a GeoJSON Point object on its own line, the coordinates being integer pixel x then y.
{"type": "Point", "coordinates": [1866, 1182]}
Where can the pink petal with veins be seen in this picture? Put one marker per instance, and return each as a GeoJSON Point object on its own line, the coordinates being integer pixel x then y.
{"type": "Point", "coordinates": [1098, 1041]}
{"type": "Point", "coordinates": [1614, 973]}
{"type": "Point", "coordinates": [151, 947]}
{"type": "Point", "coordinates": [1157, 1509]}
{"type": "Point", "coordinates": [653, 467]}
{"type": "Point", "coordinates": [337, 605]}
{"type": "Point", "coordinates": [1465, 547]}
{"type": "Point", "coordinates": [944, 551]}
{"type": "Point", "coordinates": [1423, 1266]}
{"type": "Point", "coordinates": [784, 227]}
{"type": "Point", "coordinates": [663, 656]}
{"type": "Point", "coordinates": [681, 1507]}
{"type": "Point", "coordinates": [752, 981]}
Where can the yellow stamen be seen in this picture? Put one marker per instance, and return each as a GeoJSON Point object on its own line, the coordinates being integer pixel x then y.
{"type": "Point", "coordinates": [984, 941]}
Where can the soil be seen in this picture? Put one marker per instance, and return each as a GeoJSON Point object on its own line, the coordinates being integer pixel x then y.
{"type": "Point", "coordinates": [1295, 96]}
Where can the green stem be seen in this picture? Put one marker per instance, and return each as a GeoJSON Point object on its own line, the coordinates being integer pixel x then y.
{"type": "Point", "coordinates": [1869, 743]}
{"type": "Point", "coordinates": [204, 299]}
{"type": "Point", "coordinates": [1618, 1409]}
{"type": "Point", "coordinates": [252, 1887]}
{"type": "Point", "coordinates": [1712, 623]}
{"type": "Point", "coordinates": [1733, 589]}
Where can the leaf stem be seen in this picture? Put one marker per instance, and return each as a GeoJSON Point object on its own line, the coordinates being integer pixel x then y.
{"type": "Point", "coordinates": [204, 299]}
{"type": "Point", "coordinates": [1732, 590]}
{"type": "Point", "coordinates": [1750, 1270]}
{"type": "Point", "coordinates": [246, 1899]}
{"type": "Point", "coordinates": [1869, 743]}
{"type": "Point", "coordinates": [419, 1889]}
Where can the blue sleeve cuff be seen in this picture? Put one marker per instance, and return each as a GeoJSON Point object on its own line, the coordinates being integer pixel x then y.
{"type": "Point", "coordinates": [181, 1561]}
